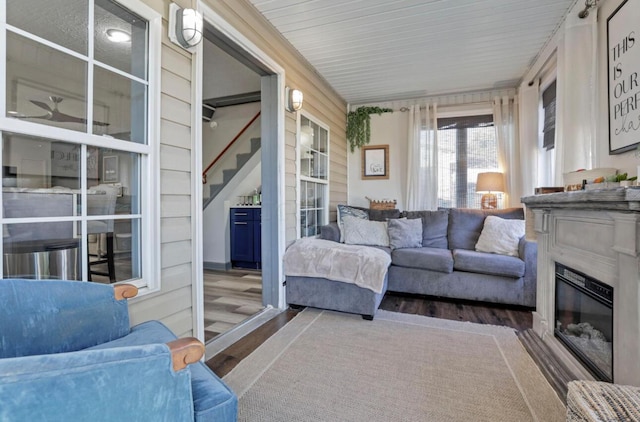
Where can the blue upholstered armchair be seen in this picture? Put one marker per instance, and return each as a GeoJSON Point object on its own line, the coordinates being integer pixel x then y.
{"type": "Point", "coordinates": [67, 353]}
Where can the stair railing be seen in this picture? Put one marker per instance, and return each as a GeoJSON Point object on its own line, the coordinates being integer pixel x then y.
{"type": "Point", "coordinates": [243, 130]}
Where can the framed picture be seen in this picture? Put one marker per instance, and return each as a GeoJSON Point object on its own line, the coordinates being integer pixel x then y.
{"type": "Point", "coordinates": [623, 46]}
{"type": "Point", "coordinates": [110, 173]}
{"type": "Point", "coordinates": [375, 162]}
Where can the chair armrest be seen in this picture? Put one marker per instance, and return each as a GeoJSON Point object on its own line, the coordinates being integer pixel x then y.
{"type": "Point", "coordinates": [54, 316]}
{"type": "Point", "coordinates": [528, 252]}
{"type": "Point", "coordinates": [185, 351]}
{"type": "Point", "coordinates": [127, 383]}
{"type": "Point", "coordinates": [330, 232]}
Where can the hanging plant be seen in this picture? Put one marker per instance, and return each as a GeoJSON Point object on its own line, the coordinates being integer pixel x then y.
{"type": "Point", "coordinates": [359, 125]}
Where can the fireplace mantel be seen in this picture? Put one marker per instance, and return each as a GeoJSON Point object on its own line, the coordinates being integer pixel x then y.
{"type": "Point", "coordinates": [597, 233]}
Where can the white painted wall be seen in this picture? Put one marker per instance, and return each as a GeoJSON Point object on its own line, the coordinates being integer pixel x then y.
{"type": "Point", "coordinates": [386, 129]}
{"type": "Point", "coordinates": [219, 66]}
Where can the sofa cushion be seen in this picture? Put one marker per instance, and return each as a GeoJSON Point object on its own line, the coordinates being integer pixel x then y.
{"type": "Point", "coordinates": [347, 210]}
{"type": "Point", "coordinates": [212, 399]}
{"type": "Point", "coordinates": [465, 225]}
{"type": "Point", "coordinates": [500, 236]}
{"type": "Point", "coordinates": [434, 227]}
{"type": "Point", "coordinates": [405, 233]}
{"type": "Point", "coordinates": [435, 259]}
{"type": "Point", "coordinates": [364, 232]}
{"type": "Point", "coordinates": [383, 215]}
{"type": "Point", "coordinates": [486, 263]}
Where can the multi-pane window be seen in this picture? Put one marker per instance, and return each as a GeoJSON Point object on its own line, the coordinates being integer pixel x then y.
{"type": "Point", "coordinates": [75, 131]}
{"type": "Point", "coordinates": [313, 175]}
{"type": "Point", "coordinates": [466, 146]}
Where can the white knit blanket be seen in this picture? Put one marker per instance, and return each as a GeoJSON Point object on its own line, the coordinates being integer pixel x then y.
{"type": "Point", "coordinates": [363, 266]}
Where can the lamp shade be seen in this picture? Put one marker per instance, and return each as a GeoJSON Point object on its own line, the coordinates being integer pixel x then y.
{"type": "Point", "coordinates": [490, 182]}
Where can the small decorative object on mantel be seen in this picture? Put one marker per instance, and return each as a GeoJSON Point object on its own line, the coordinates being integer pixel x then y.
{"type": "Point", "coordinates": [359, 125]}
{"type": "Point", "coordinates": [383, 204]}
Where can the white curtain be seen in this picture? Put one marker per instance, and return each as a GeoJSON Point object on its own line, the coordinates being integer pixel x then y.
{"type": "Point", "coordinates": [505, 119]}
{"type": "Point", "coordinates": [576, 98]}
{"type": "Point", "coordinates": [422, 159]}
{"type": "Point", "coordinates": [529, 96]}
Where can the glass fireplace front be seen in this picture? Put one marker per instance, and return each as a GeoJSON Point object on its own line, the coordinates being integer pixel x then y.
{"type": "Point", "coordinates": [584, 320]}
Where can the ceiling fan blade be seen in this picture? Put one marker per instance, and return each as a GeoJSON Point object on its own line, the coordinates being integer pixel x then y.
{"type": "Point", "coordinates": [57, 116]}
{"type": "Point", "coordinates": [17, 115]}
{"type": "Point", "coordinates": [42, 105]}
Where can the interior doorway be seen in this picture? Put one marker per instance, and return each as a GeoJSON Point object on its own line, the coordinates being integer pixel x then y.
{"type": "Point", "coordinates": [240, 103]}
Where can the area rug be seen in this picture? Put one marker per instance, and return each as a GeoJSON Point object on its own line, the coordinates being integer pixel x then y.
{"type": "Point", "coordinates": [330, 366]}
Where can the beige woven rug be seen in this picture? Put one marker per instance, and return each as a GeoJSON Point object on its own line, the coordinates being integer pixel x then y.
{"type": "Point", "coordinates": [330, 366]}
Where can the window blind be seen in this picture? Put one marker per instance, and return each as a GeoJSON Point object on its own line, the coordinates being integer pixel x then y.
{"type": "Point", "coordinates": [549, 106]}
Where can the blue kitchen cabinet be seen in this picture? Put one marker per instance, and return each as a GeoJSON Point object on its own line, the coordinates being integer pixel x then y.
{"type": "Point", "coordinates": [246, 238]}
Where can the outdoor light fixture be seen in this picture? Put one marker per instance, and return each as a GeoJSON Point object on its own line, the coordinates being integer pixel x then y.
{"type": "Point", "coordinates": [185, 27]}
{"type": "Point", "coordinates": [294, 99]}
{"type": "Point", "coordinates": [488, 183]}
{"type": "Point", "coordinates": [118, 35]}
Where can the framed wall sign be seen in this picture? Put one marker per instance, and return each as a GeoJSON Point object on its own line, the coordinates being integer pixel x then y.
{"type": "Point", "coordinates": [375, 162]}
{"type": "Point", "coordinates": [110, 170]}
{"type": "Point", "coordinates": [623, 45]}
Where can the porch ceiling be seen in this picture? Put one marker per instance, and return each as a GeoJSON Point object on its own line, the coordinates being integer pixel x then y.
{"type": "Point", "coordinates": [378, 50]}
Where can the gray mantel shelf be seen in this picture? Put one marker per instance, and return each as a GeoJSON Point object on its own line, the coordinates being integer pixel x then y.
{"type": "Point", "coordinates": [621, 199]}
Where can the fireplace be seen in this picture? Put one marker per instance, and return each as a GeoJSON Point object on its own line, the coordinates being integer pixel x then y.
{"type": "Point", "coordinates": [584, 320]}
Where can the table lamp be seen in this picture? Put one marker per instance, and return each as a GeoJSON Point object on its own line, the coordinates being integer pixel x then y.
{"type": "Point", "coordinates": [489, 183]}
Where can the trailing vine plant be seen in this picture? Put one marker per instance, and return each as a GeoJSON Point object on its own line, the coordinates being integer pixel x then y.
{"type": "Point", "coordinates": [359, 125]}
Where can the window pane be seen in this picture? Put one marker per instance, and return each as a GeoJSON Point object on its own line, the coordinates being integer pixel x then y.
{"type": "Point", "coordinates": [118, 174]}
{"type": "Point", "coordinates": [63, 22]}
{"type": "Point", "coordinates": [44, 85]}
{"type": "Point", "coordinates": [467, 146]}
{"type": "Point", "coordinates": [30, 163]}
{"type": "Point", "coordinates": [128, 56]}
{"type": "Point", "coordinates": [120, 107]}
{"type": "Point", "coordinates": [114, 239]}
{"type": "Point", "coordinates": [41, 251]}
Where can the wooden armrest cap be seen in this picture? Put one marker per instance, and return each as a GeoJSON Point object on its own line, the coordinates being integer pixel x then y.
{"type": "Point", "coordinates": [124, 291]}
{"type": "Point", "coordinates": [185, 351]}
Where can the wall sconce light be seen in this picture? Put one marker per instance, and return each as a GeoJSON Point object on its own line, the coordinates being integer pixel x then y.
{"type": "Point", "coordinates": [294, 99]}
{"type": "Point", "coordinates": [185, 27]}
{"type": "Point", "coordinates": [488, 183]}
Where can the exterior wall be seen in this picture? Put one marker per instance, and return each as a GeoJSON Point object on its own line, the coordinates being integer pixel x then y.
{"type": "Point", "coordinates": [319, 99]}
{"type": "Point", "coordinates": [173, 303]}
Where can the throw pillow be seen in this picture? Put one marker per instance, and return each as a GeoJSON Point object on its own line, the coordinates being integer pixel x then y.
{"type": "Point", "coordinates": [346, 210]}
{"type": "Point", "coordinates": [358, 231]}
{"type": "Point", "coordinates": [404, 233]}
{"type": "Point", "coordinates": [500, 236]}
{"type": "Point", "coordinates": [434, 227]}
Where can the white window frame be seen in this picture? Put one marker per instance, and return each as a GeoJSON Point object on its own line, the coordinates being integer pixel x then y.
{"type": "Point", "coordinates": [149, 153]}
{"type": "Point", "coordinates": [300, 178]}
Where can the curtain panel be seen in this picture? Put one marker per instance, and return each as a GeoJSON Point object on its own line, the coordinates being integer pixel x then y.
{"type": "Point", "coordinates": [505, 119]}
{"type": "Point", "coordinates": [422, 159]}
{"type": "Point", "coordinates": [576, 100]}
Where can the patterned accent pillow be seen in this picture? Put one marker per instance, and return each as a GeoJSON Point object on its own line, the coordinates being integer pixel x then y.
{"type": "Point", "coordinates": [358, 231]}
{"type": "Point", "coordinates": [346, 210]}
{"type": "Point", "coordinates": [500, 236]}
{"type": "Point", "coordinates": [404, 233]}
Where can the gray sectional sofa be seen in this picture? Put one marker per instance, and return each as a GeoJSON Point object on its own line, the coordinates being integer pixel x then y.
{"type": "Point", "coordinates": [447, 265]}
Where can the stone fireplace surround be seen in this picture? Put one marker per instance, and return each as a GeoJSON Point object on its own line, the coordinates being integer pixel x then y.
{"type": "Point", "coordinates": [597, 233]}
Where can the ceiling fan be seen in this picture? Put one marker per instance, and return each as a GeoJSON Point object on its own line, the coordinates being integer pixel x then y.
{"type": "Point", "coordinates": [54, 114]}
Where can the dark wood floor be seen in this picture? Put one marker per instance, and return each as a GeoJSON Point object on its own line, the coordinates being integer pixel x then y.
{"type": "Point", "coordinates": [482, 313]}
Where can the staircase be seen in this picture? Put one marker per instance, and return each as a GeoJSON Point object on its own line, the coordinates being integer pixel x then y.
{"type": "Point", "coordinates": [229, 174]}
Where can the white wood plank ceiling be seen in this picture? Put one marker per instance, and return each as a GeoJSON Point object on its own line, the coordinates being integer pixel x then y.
{"type": "Point", "coordinates": [377, 50]}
